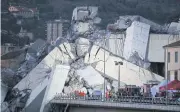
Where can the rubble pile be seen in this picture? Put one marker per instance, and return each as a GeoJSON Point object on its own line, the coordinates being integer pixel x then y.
{"type": "Point", "coordinates": [76, 63]}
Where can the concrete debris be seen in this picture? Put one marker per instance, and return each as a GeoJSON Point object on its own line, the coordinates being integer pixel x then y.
{"type": "Point", "coordinates": [66, 49]}
{"type": "Point", "coordinates": [125, 21]}
{"type": "Point", "coordinates": [93, 57]}
{"type": "Point", "coordinates": [136, 36]}
{"type": "Point", "coordinates": [59, 54]}
{"type": "Point", "coordinates": [72, 73]}
{"type": "Point", "coordinates": [78, 64]}
{"type": "Point", "coordinates": [4, 107]}
{"type": "Point", "coordinates": [174, 28]}
{"type": "Point", "coordinates": [73, 49]}
{"type": "Point", "coordinates": [137, 60]}
{"type": "Point", "coordinates": [82, 46]}
{"type": "Point", "coordinates": [130, 73]}
{"type": "Point", "coordinates": [84, 13]}
{"type": "Point", "coordinates": [72, 63]}
{"type": "Point", "coordinates": [82, 28]}
{"type": "Point", "coordinates": [37, 94]}
{"type": "Point", "coordinates": [115, 43]}
{"type": "Point", "coordinates": [89, 74]}
{"type": "Point", "coordinates": [18, 99]}
{"type": "Point", "coordinates": [68, 89]}
{"type": "Point", "coordinates": [55, 84]}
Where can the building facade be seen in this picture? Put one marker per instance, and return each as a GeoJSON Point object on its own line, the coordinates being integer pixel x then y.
{"type": "Point", "coordinates": [172, 61]}
{"type": "Point", "coordinates": [55, 29]}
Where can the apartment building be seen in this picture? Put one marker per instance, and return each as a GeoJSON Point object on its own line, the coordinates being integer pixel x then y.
{"type": "Point", "coordinates": [172, 61]}
{"type": "Point", "coordinates": [55, 29]}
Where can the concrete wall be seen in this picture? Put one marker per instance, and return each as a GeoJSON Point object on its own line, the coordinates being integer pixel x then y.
{"type": "Point", "coordinates": [155, 51]}
{"type": "Point", "coordinates": [115, 44]}
{"type": "Point", "coordinates": [156, 43]}
{"type": "Point", "coordinates": [136, 40]}
{"type": "Point", "coordinates": [172, 66]}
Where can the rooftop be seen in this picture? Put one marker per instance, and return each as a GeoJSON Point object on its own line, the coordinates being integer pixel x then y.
{"type": "Point", "coordinates": [22, 8]}
{"type": "Point", "coordinates": [175, 44]}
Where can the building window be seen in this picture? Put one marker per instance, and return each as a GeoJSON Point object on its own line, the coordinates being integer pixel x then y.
{"type": "Point", "coordinates": [175, 75]}
{"type": "Point", "coordinates": [176, 57]}
{"type": "Point", "coordinates": [168, 57]}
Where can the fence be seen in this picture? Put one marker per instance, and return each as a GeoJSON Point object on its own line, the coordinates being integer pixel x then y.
{"type": "Point", "coordinates": [120, 99]}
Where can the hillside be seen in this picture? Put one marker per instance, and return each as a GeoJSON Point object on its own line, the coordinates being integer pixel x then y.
{"type": "Point", "coordinates": [160, 11]}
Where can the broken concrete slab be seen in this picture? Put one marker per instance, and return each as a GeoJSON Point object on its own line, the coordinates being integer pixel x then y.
{"type": "Point", "coordinates": [137, 35]}
{"type": "Point", "coordinates": [56, 83]}
{"type": "Point", "coordinates": [82, 13]}
{"type": "Point", "coordinates": [81, 28]}
{"type": "Point", "coordinates": [115, 43]}
{"type": "Point", "coordinates": [92, 56]}
{"type": "Point", "coordinates": [91, 76]}
{"type": "Point", "coordinates": [174, 28]}
{"type": "Point", "coordinates": [36, 92]}
{"type": "Point", "coordinates": [82, 46]}
{"type": "Point", "coordinates": [66, 48]}
{"type": "Point", "coordinates": [125, 21]}
{"type": "Point", "coordinates": [78, 63]}
{"type": "Point", "coordinates": [67, 89]}
{"type": "Point", "coordinates": [44, 68]}
{"type": "Point", "coordinates": [130, 74]}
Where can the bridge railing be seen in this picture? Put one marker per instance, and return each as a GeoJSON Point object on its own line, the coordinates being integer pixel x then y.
{"type": "Point", "coordinates": [125, 99]}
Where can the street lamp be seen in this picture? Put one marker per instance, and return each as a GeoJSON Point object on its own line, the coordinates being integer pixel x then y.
{"type": "Point", "coordinates": [118, 63]}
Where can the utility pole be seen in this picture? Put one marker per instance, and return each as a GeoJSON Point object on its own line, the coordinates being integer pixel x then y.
{"type": "Point", "coordinates": [118, 63]}
{"type": "Point", "coordinates": [119, 77]}
{"type": "Point", "coordinates": [104, 68]}
{"type": "Point", "coordinates": [166, 56]}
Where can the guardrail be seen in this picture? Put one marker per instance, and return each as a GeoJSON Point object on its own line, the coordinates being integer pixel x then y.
{"type": "Point", "coordinates": [125, 99]}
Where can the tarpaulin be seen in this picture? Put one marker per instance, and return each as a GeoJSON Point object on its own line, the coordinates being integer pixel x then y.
{"type": "Point", "coordinates": [170, 86]}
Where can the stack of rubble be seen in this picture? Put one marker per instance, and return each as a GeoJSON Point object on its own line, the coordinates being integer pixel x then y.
{"type": "Point", "coordinates": [73, 65]}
